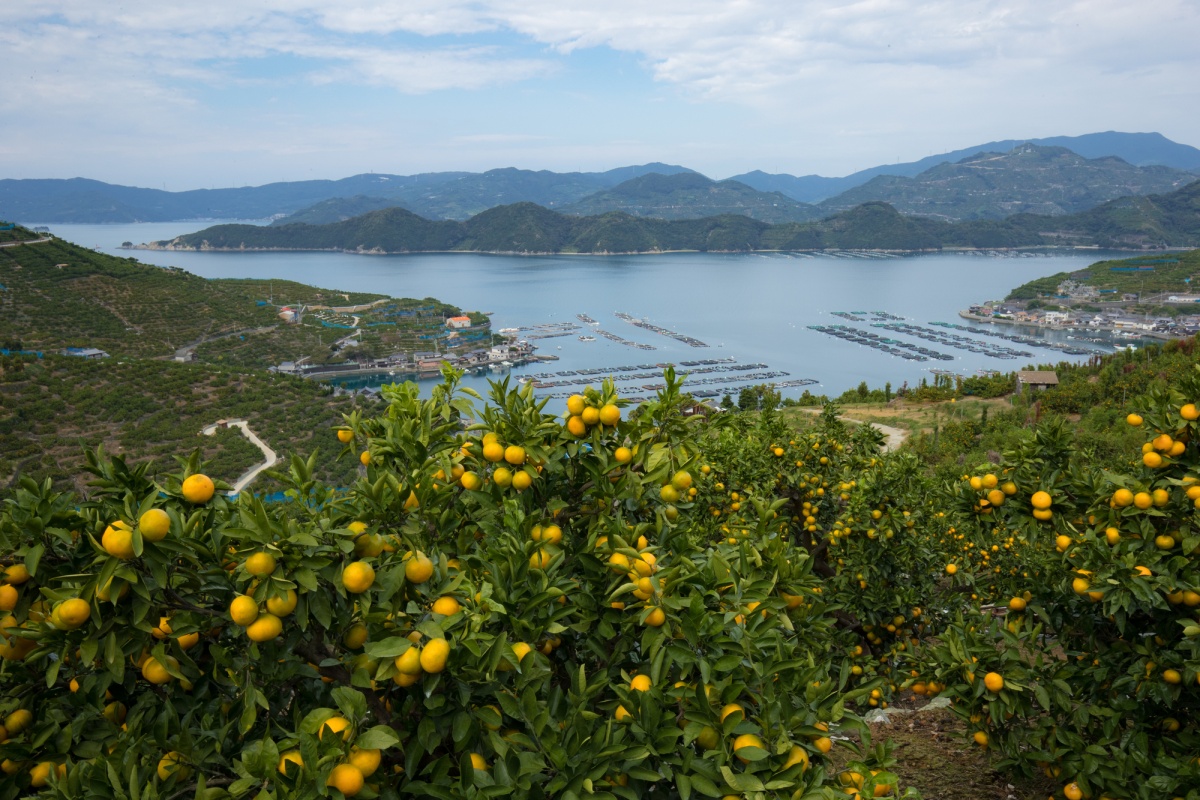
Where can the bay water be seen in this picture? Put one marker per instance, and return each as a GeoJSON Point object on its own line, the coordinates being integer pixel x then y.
{"type": "Point", "coordinates": [752, 307]}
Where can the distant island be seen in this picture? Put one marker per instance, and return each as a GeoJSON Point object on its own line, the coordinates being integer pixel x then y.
{"type": "Point", "coordinates": [1170, 220]}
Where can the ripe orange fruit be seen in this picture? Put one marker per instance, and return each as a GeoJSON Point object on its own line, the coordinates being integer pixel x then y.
{"type": "Point", "coordinates": [576, 426]}
{"type": "Point", "coordinates": [345, 435]}
{"type": "Point", "coordinates": [418, 569]}
{"type": "Point", "coordinates": [521, 480]}
{"type": "Point", "coordinates": [154, 525]}
{"type": "Point", "coordinates": [623, 455]}
{"type": "Point", "coordinates": [118, 542]}
{"type": "Point", "coordinates": [8, 597]}
{"type": "Point", "coordinates": [640, 683]}
{"type": "Point", "coordinates": [291, 757]}
{"type": "Point", "coordinates": [336, 725]}
{"type": "Point", "coordinates": [994, 681]}
{"type": "Point", "coordinates": [493, 451]}
{"type": "Point", "coordinates": [16, 574]}
{"type": "Point", "coordinates": [265, 628]}
{"type": "Point", "coordinates": [72, 613]}
{"type": "Point", "coordinates": [367, 761]}
{"type": "Point", "coordinates": [1123, 498]}
{"type": "Point", "coordinates": [364, 458]}
{"type": "Point", "coordinates": [515, 455]}
{"type": "Point", "coordinates": [260, 565]}
{"type": "Point", "coordinates": [446, 605]}
{"type": "Point", "coordinates": [243, 610]}
{"type": "Point", "coordinates": [1041, 500]}
{"type": "Point", "coordinates": [576, 404]}
{"type": "Point", "coordinates": [656, 618]}
{"type": "Point", "coordinates": [347, 779]}
{"type": "Point", "coordinates": [358, 576]}
{"type": "Point", "coordinates": [470, 481]}
{"type": "Point", "coordinates": [590, 416]}
{"type": "Point", "coordinates": [434, 655]}
{"type": "Point", "coordinates": [198, 489]}
{"type": "Point", "coordinates": [282, 606]}
{"type": "Point", "coordinates": [951, 569]}
{"type": "Point", "coordinates": [610, 415]}
{"type": "Point", "coordinates": [744, 741]}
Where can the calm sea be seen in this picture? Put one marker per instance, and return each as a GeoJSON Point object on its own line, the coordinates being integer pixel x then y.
{"type": "Point", "coordinates": [755, 308]}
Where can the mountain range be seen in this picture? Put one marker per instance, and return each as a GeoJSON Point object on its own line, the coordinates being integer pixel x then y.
{"type": "Point", "coordinates": [460, 195]}
{"type": "Point", "coordinates": [1154, 221]}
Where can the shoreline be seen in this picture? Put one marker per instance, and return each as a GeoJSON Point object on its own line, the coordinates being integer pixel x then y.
{"type": "Point", "coordinates": [1001, 321]}
{"type": "Point", "coordinates": [607, 253]}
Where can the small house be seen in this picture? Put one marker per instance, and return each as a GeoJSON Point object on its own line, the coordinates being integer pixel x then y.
{"type": "Point", "coordinates": [1036, 380]}
{"type": "Point", "coordinates": [455, 323]}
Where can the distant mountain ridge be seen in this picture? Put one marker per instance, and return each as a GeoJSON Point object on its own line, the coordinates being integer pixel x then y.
{"type": "Point", "coordinates": [1155, 221]}
{"type": "Point", "coordinates": [460, 195]}
{"type": "Point", "coordinates": [1027, 179]}
{"type": "Point", "coordinates": [1139, 149]}
{"type": "Point", "coordinates": [691, 195]}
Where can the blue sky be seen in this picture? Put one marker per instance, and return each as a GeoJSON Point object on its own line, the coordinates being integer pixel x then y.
{"type": "Point", "coordinates": [237, 92]}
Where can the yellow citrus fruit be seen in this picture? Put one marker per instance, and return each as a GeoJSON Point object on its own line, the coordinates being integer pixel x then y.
{"type": "Point", "coordinates": [1123, 498]}
{"type": "Point", "coordinates": [623, 455]}
{"type": "Point", "coordinates": [732, 708]}
{"type": "Point", "coordinates": [521, 649]}
{"type": "Point", "coordinates": [18, 721]}
{"type": "Point", "coordinates": [622, 714]}
{"type": "Point", "coordinates": [243, 610]}
{"type": "Point", "coordinates": [1040, 500]}
{"type": "Point", "coordinates": [1152, 460]}
{"type": "Point", "coordinates": [155, 672]}
{"type": "Point", "coordinates": [1135, 420]}
{"type": "Point", "coordinates": [994, 681]}
{"type": "Point", "coordinates": [447, 606]}
{"type": "Point", "coordinates": [335, 725]}
{"type": "Point", "coordinates": [367, 761]}
{"type": "Point", "coordinates": [1189, 412]}
{"type": "Point", "coordinates": [681, 480]}
{"type": "Point", "coordinates": [434, 655]}
{"type": "Point", "coordinates": [521, 480]}
{"type": "Point", "coordinates": [347, 779]}
{"type": "Point", "coordinates": [172, 763]}
{"type": "Point", "coordinates": [1072, 791]}
{"type": "Point", "coordinates": [470, 481]}
{"type": "Point", "coordinates": [39, 776]}
{"type": "Point", "coordinates": [576, 404]}
{"type": "Point", "coordinates": [590, 416]}
{"type": "Point", "coordinates": [355, 636]}
{"type": "Point", "coordinates": [610, 415]}
{"type": "Point", "coordinates": [515, 455]}
{"type": "Point", "coordinates": [540, 559]}
{"type": "Point", "coordinates": [265, 628]}
{"type": "Point", "coordinates": [118, 542]}
{"type": "Point", "coordinates": [345, 435]}
{"type": "Point", "coordinates": [188, 640]}
{"type": "Point", "coordinates": [1172, 676]}
{"type": "Point", "coordinates": [198, 489]}
{"type": "Point", "coordinates": [73, 613]}
{"type": "Point", "coordinates": [640, 683]}
{"type": "Point", "coordinates": [478, 762]}
{"type": "Point", "coordinates": [1016, 604]}
{"type": "Point", "coordinates": [409, 662]}
{"type": "Point", "coordinates": [656, 618]}
{"type": "Point", "coordinates": [16, 574]}
{"type": "Point", "coordinates": [364, 458]}
{"type": "Point", "coordinates": [744, 741]}
{"type": "Point", "coordinates": [493, 451]}
{"type": "Point", "coordinates": [797, 755]}
{"type": "Point", "coordinates": [282, 606]}
{"type": "Point", "coordinates": [502, 477]}
{"type": "Point", "coordinates": [358, 576]}
{"type": "Point", "coordinates": [576, 426]}
{"type": "Point", "coordinates": [951, 569]}
{"type": "Point", "coordinates": [291, 757]}
{"type": "Point", "coordinates": [418, 569]}
{"type": "Point", "coordinates": [155, 524]}
{"type": "Point", "coordinates": [260, 565]}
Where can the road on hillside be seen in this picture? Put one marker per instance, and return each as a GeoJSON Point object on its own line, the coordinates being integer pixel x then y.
{"type": "Point", "coordinates": [268, 454]}
{"type": "Point", "coordinates": [893, 437]}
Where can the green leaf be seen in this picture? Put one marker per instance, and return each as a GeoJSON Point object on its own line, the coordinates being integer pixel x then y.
{"type": "Point", "coordinates": [380, 737]}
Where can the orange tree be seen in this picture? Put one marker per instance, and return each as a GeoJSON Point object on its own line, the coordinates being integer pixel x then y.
{"type": "Point", "coordinates": [867, 520]}
{"type": "Point", "coordinates": [1082, 657]}
{"type": "Point", "coordinates": [507, 603]}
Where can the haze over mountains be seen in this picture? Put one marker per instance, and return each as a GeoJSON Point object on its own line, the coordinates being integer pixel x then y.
{"type": "Point", "coordinates": [1129, 163]}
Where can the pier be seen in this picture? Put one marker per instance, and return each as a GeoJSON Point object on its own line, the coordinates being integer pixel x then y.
{"type": "Point", "coordinates": [641, 323]}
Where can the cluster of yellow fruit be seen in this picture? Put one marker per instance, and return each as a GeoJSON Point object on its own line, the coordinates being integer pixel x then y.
{"type": "Point", "coordinates": [992, 493]}
{"type": "Point", "coordinates": [549, 538]}
{"type": "Point", "coordinates": [583, 415]}
{"type": "Point", "coordinates": [515, 474]}
{"type": "Point", "coordinates": [639, 571]}
{"type": "Point", "coordinates": [348, 777]}
{"type": "Point", "coordinates": [418, 660]}
{"type": "Point", "coordinates": [262, 626]}
{"type": "Point", "coordinates": [678, 489]}
{"type": "Point", "coordinates": [154, 525]}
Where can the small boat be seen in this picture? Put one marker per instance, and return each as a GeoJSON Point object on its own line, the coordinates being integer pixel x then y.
{"type": "Point", "coordinates": [587, 338]}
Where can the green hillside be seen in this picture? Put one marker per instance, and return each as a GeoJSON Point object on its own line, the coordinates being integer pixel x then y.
{"type": "Point", "coordinates": [57, 295]}
{"type": "Point", "coordinates": [1145, 275]}
{"type": "Point", "coordinates": [1029, 179]}
{"type": "Point", "coordinates": [1134, 223]}
{"type": "Point", "coordinates": [337, 209]}
{"type": "Point", "coordinates": [690, 195]}
{"type": "Point", "coordinates": [57, 407]}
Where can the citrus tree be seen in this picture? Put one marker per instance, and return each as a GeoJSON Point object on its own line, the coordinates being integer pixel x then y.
{"type": "Point", "coordinates": [508, 602]}
{"type": "Point", "coordinates": [1081, 658]}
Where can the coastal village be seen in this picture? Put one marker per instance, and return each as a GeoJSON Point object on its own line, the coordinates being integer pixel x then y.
{"type": "Point", "coordinates": [1079, 306]}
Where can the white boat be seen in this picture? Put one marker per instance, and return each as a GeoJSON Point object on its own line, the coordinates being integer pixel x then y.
{"type": "Point", "coordinates": [587, 338]}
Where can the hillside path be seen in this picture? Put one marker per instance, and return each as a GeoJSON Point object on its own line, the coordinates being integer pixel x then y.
{"type": "Point", "coordinates": [268, 454]}
{"type": "Point", "coordinates": [30, 241]}
{"type": "Point", "coordinates": [893, 437]}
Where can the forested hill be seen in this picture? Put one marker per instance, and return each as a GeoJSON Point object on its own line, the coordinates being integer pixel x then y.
{"type": "Point", "coordinates": [1130, 223]}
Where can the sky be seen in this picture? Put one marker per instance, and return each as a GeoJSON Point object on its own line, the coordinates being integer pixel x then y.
{"type": "Point", "coordinates": [208, 93]}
